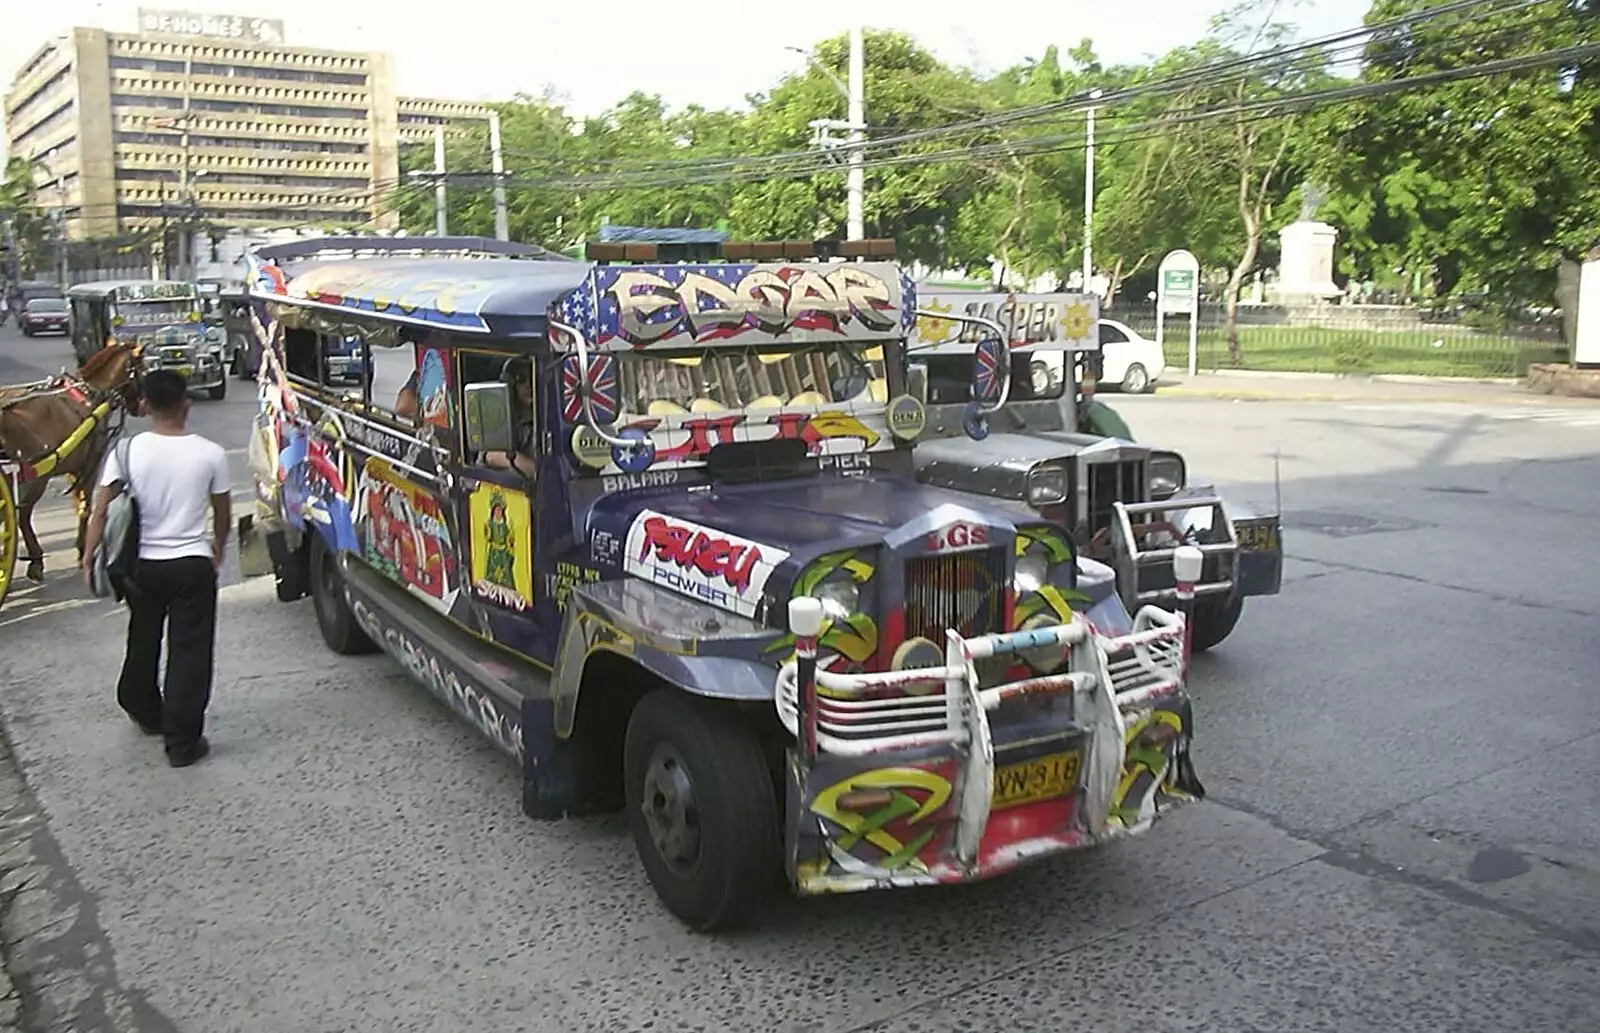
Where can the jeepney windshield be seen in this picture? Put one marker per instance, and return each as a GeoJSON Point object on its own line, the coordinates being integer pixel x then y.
{"type": "Point", "coordinates": [734, 378]}
{"type": "Point", "coordinates": [137, 316]}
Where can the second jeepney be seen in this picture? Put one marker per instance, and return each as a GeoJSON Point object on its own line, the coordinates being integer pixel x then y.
{"type": "Point", "coordinates": [653, 527]}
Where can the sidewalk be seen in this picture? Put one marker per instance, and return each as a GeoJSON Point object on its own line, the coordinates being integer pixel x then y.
{"type": "Point", "coordinates": [1330, 387]}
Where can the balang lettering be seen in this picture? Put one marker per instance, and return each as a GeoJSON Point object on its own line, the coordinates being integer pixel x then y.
{"type": "Point", "coordinates": [651, 308]}
{"type": "Point", "coordinates": [693, 549]}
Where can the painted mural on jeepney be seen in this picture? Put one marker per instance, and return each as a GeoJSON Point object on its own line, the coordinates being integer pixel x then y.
{"type": "Point", "coordinates": [685, 439]}
{"type": "Point", "coordinates": [313, 484]}
{"type": "Point", "coordinates": [402, 533]}
{"type": "Point", "coordinates": [456, 302]}
{"type": "Point", "coordinates": [703, 563]}
{"type": "Point", "coordinates": [434, 404]}
{"type": "Point", "coordinates": [502, 546]}
{"type": "Point", "coordinates": [683, 306]}
{"type": "Point", "coordinates": [1049, 321]}
{"type": "Point", "coordinates": [890, 822]}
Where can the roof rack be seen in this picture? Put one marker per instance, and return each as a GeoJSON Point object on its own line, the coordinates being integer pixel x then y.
{"type": "Point", "coordinates": [465, 247]}
{"type": "Point", "coordinates": [606, 252]}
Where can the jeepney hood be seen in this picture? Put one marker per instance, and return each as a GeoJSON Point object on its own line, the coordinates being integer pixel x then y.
{"type": "Point", "coordinates": [998, 465]}
{"type": "Point", "coordinates": [789, 523]}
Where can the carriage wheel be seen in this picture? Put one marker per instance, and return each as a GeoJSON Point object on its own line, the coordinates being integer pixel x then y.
{"type": "Point", "coordinates": [8, 534]}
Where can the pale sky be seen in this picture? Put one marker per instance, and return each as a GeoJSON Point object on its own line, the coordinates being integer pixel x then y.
{"type": "Point", "coordinates": [597, 53]}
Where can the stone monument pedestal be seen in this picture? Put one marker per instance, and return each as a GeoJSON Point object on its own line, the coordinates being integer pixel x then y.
{"type": "Point", "coordinates": [1305, 270]}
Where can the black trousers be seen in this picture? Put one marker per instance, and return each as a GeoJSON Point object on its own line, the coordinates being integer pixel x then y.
{"type": "Point", "coordinates": [180, 597]}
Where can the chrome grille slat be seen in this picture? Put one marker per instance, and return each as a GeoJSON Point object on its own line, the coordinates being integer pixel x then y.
{"type": "Point", "coordinates": [1109, 483]}
{"type": "Point", "coordinates": [964, 591]}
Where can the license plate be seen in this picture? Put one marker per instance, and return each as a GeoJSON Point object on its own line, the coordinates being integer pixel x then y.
{"type": "Point", "coordinates": [1042, 778]}
{"type": "Point", "coordinates": [1257, 537]}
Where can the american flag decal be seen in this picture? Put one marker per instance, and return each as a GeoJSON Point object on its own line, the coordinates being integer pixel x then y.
{"type": "Point", "coordinates": [908, 302]}
{"type": "Point", "coordinates": [602, 389]}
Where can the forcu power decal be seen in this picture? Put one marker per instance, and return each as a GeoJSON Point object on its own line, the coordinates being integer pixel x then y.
{"type": "Point", "coordinates": [724, 570]}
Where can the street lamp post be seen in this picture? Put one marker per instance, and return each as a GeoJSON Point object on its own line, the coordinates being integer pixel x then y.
{"type": "Point", "coordinates": [855, 125]}
{"type": "Point", "coordinates": [1088, 198]}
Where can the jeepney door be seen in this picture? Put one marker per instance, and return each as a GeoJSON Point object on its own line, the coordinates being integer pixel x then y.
{"type": "Point", "coordinates": [496, 500]}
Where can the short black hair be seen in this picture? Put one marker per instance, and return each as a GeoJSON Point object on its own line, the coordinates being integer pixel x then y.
{"type": "Point", "coordinates": [164, 390]}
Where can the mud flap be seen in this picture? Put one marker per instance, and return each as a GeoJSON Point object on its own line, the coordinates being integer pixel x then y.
{"type": "Point", "coordinates": [255, 559]}
{"type": "Point", "coordinates": [289, 568]}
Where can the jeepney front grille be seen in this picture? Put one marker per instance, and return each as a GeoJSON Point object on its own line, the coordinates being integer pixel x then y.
{"type": "Point", "coordinates": [1108, 483]}
{"type": "Point", "coordinates": [963, 590]}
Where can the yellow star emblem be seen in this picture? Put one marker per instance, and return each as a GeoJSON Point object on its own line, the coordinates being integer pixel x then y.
{"type": "Point", "coordinates": [1075, 321]}
{"type": "Point", "coordinates": [931, 330]}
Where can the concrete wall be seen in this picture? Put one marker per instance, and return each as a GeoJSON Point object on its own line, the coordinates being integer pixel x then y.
{"type": "Point", "coordinates": [96, 156]}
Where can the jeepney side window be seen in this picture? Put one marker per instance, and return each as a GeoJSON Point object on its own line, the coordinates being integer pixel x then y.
{"type": "Point", "coordinates": [300, 353]}
{"type": "Point", "coordinates": [475, 366]}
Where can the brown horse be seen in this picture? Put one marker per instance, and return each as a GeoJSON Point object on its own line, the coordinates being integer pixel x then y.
{"type": "Point", "coordinates": [36, 420]}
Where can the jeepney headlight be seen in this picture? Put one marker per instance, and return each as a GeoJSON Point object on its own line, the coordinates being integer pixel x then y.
{"type": "Point", "coordinates": [839, 599]}
{"type": "Point", "coordinates": [1031, 573]}
{"type": "Point", "coordinates": [1166, 474]}
{"type": "Point", "coordinates": [1047, 485]}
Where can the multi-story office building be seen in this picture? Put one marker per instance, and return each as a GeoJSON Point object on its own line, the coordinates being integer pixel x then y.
{"type": "Point", "coordinates": [216, 115]}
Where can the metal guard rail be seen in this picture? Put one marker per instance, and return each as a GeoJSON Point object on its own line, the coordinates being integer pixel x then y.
{"type": "Point", "coordinates": [1130, 559]}
{"type": "Point", "coordinates": [950, 709]}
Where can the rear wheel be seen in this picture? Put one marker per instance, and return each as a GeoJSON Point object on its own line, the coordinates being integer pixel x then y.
{"type": "Point", "coordinates": [334, 619]}
{"type": "Point", "coordinates": [702, 809]}
{"type": "Point", "coordinates": [1136, 380]}
{"type": "Point", "coordinates": [1214, 620]}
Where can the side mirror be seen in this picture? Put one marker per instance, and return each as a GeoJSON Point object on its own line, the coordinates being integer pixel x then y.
{"type": "Point", "coordinates": [488, 417]}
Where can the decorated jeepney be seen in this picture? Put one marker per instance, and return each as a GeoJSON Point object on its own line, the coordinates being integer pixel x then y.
{"type": "Point", "coordinates": [1068, 458]}
{"type": "Point", "coordinates": [653, 527]}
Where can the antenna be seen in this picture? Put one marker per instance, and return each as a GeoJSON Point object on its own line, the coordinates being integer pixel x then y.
{"type": "Point", "coordinates": [1277, 478]}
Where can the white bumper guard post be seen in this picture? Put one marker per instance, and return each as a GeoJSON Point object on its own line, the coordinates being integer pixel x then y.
{"type": "Point", "coordinates": [860, 715]}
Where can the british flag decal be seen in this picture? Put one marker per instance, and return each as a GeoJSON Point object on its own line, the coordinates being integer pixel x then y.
{"type": "Point", "coordinates": [602, 389]}
{"type": "Point", "coordinates": [986, 372]}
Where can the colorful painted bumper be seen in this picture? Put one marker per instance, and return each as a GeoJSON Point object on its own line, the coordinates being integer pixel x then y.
{"type": "Point", "coordinates": [903, 779]}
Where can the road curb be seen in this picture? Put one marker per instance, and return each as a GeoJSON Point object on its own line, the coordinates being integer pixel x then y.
{"type": "Point", "coordinates": [1257, 395]}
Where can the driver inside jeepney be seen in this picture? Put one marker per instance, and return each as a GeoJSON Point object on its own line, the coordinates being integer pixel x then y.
{"type": "Point", "coordinates": [732, 379]}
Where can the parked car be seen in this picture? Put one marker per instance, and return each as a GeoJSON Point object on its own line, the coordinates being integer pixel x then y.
{"type": "Point", "coordinates": [1132, 362]}
{"type": "Point", "coordinates": [44, 316]}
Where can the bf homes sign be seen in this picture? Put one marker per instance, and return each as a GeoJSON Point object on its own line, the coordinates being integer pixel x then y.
{"type": "Point", "coordinates": [221, 26]}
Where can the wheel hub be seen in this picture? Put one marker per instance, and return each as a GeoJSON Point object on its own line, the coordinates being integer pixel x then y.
{"type": "Point", "coordinates": [671, 811]}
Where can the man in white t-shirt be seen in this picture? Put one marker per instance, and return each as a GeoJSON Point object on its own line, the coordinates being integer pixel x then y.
{"type": "Point", "coordinates": [176, 479]}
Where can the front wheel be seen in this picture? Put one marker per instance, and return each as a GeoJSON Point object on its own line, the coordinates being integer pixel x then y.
{"type": "Point", "coordinates": [1214, 620]}
{"type": "Point", "coordinates": [334, 619]}
{"type": "Point", "coordinates": [218, 393]}
{"type": "Point", "coordinates": [702, 809]}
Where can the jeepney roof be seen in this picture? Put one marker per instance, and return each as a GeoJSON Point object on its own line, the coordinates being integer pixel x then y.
{"type": "Point", "coordinates": [162, 289]}
{"type": "Point", "coordinates": [620, 307]}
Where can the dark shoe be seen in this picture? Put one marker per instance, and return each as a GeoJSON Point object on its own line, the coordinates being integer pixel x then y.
{"type": "Point", "coordinates": [183, 758]}
{"type": "Point", "coordinates": [146, 729]}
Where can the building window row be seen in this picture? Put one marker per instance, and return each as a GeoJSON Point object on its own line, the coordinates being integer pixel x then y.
{"type": "Point", "coordinates": [285, 216]}
{"type": "Point", "coordinates": [225, 71]}
{"type": "Point", "coordinates": [137, 45]}
{"type": "Point", "coordinates": [212, 178]}
{"type": "Point", "coordinates": [54, 120]}
{"type": "Point", "coordinates": [140, 85]}
{"type": "Point", "coordinates": [127, 100]}
{"type": "Point", "coordinates": [198, 141]}
{"type": "Point", "coordinates": [157, 193]}
{"type": "Point", "coordinates": [39, 94]}
{"type": "Point", "coordinates": [255, 132]}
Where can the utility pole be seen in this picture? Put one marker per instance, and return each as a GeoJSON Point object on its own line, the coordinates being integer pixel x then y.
{"type": "Point", "coordinates": [1088, 199]}
{"type": "Point", "coordinates": [497, 163]}
{"type": "Point", "coordinates": [856, 182]}
{"type": "Point", "coordinates": [440, 222]}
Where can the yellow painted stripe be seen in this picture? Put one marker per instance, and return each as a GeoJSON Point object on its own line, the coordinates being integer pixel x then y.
{"type": "Point", "coordinates": [44, 466]}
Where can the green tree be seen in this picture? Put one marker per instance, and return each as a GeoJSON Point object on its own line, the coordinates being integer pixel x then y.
{"type": "Point", "coordinates": [29, 223]}
{"type": "Point", "coordinates": [1481, 185]}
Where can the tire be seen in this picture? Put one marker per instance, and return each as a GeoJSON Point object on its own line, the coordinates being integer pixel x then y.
{"type": "Point", "coordinates": [218, 393]}
{"type": "Point", "coordinates": [1214, 621]}
{"type": "Point", "coordinates": [334, 619]}
{"type": "Point", "coordinates": [710, 755]}
{"type": "Point", "coordinates": [1136, 380]}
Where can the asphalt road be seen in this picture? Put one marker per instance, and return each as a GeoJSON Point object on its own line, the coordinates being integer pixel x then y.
{"type": "Point", "coordinates": [1402, 832]}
